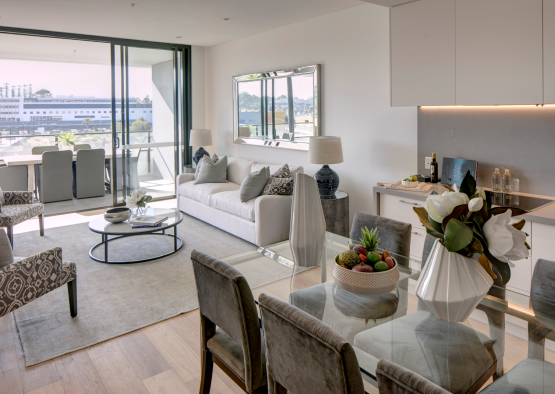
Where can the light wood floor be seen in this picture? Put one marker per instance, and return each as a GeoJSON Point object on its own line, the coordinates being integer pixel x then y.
{"type": "Point", "coordinates": [162, 358]}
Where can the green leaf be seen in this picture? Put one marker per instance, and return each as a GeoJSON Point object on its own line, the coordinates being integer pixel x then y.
{"type": "Point", "coordinates": [468, 185]}
{"type": "Point", "coordinates": [422, 216]}
{"type": "Point", "coordinates": [148, 198]}
{"type": "Point", "coordinates": [435, 225]}
{"type": "Point", "coordinates": [457, 235]}
{"type": "Point", "coordinates": [434, 233]}
{"type": "Point", "coordinates": [141, 204]}
{"type": "Point", "coordinates": [459, 210]}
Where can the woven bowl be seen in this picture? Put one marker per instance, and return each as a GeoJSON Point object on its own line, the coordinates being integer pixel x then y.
{"type": "Point", "coordinates": [366, 283]}
{"type": "Point", "coordinates": [117, 215]}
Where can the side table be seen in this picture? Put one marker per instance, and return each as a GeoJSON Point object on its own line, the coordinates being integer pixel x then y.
{"type": "Point", "coordinates": [336, 213]}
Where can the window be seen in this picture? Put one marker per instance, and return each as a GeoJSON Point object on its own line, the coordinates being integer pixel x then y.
{"type": "Point", "coordinates": [49, 112]}
{"type": "Point", "coordinates": [93, 112]}
{"type": "Point", "coordinates": [87, 111]}
{"type": "Point", "coordinates": [44, 112]}
{"type": "Point", "coordinates": [81, 111]}
{"type": "Point", "coordinates": [57, 112]}
{"type": "Point", "coordinates": [31, 112]}
{"type": "Point", "coordinates": [24, 113]}
{"type": "Point", "coordinates": [63, 112]}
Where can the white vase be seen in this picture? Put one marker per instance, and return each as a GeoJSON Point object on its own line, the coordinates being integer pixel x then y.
{"type": "Point", "coordinates": [308, 225]}
{"type": "Point", "coordinates": [65, 147]}
{"type": "Point", "coordinates": [451, 285]}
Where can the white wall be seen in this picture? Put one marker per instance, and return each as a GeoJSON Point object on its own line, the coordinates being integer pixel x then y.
{"type": "Point", "coordinates": [352, 45]}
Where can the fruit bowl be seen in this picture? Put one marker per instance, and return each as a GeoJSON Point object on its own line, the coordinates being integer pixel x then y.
{"type": "Point", "coordinates": [410, 184]}
{"type": "Point", "coordinates": [366, 283]}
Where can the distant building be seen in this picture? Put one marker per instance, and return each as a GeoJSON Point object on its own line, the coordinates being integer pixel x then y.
{"type": "Point", "coordinates": [68, 109]}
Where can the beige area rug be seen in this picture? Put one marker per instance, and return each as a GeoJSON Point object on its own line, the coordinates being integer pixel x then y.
{"type": "Point", "coordinates": [116, 299]}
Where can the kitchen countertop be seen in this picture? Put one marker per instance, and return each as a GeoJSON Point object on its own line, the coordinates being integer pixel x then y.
{"type": "Point", "coordinates": [544, 215]}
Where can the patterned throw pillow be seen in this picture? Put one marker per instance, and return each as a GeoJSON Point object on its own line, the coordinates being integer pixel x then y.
{"type": "Point", "coordinates": [278, 187]}
{"type": "Point", "coordinates": [214, 159]}
{"type": "Point", "coordinates": [283, 172]}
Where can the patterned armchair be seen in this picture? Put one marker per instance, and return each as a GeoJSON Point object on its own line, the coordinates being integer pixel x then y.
{"type": "Point", "coordinates": [19, 207]}
{"type": "Point", "coordinates": [30, 278]}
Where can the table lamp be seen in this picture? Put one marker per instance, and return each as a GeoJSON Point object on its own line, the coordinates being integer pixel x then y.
{"type": "Point", "coordinates": [200, 138]}
{"type": "Point", "coordinates": [326, 150]}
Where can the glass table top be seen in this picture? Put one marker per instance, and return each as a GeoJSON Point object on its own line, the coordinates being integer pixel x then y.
{"type": "Point", "coordinates": [505, 332]}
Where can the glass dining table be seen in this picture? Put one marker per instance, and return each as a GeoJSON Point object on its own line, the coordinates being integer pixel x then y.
{"type": "Point", "coordinates": [507, 338]}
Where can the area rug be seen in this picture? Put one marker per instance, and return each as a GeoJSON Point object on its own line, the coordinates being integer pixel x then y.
{"type": "Point", "coordinates": [117, 299]}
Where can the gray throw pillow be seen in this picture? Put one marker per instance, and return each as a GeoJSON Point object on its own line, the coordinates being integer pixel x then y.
{"type": "Point", "coordinates": [278, 187]}
{"type": "Point", "coordinates": [253, 184]}
{"type": "Point", "coordinates": [212, 173]}
{"type": "Point", "coordinates": [212, 160]}
{"type": "Point", "coordinates": [6, 254]}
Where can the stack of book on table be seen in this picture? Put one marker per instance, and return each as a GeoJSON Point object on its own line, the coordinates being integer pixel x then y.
{"type": "Point", "coordinates": [147, 221]}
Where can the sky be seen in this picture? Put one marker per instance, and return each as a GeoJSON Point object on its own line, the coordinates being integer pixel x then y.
{"type": "Point", "coordinates": [303, 87]}
{"type": "Point", "coordinates": [75, 79]}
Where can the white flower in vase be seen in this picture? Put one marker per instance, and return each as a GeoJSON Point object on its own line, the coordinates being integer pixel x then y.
{"type": "Point", "coordinates": [504, 241]}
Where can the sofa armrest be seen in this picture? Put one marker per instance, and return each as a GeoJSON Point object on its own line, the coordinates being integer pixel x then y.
{"type": "Point", "coordinates": [272, 219]}
{"type": "Point", "coordinates": [18, 198]}
{"type": "Point", "coordinates": [182, 178]}
{"type": "Point", "coordinates": [33, 277]}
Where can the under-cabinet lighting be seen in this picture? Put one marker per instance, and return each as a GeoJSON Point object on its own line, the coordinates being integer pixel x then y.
{"type": "Point", "coordinates": [511, 106]}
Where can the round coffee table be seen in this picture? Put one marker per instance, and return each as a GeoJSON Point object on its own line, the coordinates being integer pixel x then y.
{"type": "Point", "coordinates": [124, 229]}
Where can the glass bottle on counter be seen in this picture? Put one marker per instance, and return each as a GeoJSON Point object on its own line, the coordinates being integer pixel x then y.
{"type": "Point", "coordinates": [433, 169]}
{"type": "Point", "coordinates": [507, 182]}
{"type": "Point", "coordinates": [496, 182]}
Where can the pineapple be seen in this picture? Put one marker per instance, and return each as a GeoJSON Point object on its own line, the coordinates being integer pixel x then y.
{"type": "Point", "coordinates": [369, 239]}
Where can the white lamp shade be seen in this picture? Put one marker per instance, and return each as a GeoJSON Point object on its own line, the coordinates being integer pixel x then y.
{"type": "Point", "coordinates": [200, 138]}
{"type": "Point", "coordinates": [325, 150]}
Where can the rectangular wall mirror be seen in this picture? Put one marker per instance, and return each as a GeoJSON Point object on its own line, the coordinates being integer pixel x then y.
{"type": "Point", "coordinates": [277, 109]}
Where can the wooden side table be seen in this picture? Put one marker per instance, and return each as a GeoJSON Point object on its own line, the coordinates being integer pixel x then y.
{"type": "Point", "coordinates": [336, 213]}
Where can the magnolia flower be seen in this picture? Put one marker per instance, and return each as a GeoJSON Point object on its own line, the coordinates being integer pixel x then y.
{"type": "Point", "coordinates": [480, 191]}
{"type": "Point", "coordinates": [475, 204]}
{"type": "Point", "coordinates": [504, 241]}
{"type": "Point", "coordinates": [439, 207]}
{"type": "Point", "coordinates": [135, 197]}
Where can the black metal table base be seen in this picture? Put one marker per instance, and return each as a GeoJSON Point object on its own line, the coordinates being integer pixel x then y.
{"type": "Point", "coordinates": [176, 246]}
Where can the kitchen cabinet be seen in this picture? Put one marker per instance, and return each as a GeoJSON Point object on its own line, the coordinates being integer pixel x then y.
{"type": "Point", "coordinates": [423, 53]}
{"type": "Point", "coordinates": [499, 52]}
{"type": "Point", "coordinates": [549, 51]}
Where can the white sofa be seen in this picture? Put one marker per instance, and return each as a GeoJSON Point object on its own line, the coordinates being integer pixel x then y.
{"type": "Point", "coordinates": [262, 221]}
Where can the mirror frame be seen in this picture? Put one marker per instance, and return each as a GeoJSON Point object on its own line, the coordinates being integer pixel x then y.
{"type": "Point", "coordinates": [269, 75]}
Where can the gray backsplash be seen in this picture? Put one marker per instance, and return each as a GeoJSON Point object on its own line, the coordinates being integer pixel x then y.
{"type": "Point", "coordinates": [521, 138]}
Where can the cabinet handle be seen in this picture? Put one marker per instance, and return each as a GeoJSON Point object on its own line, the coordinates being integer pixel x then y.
{"type": "Point", "coordinates": [417, 233]}
{"type": "Point", "coordinates": [410, 203]}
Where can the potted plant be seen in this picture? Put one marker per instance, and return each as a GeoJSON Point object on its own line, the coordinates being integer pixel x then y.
{"type": "Point", "coordinates": [66, 141]}
{"type": "Point", "coordinates": [472, 238]}
{"type": "Point", "coordinates": [137, 200]}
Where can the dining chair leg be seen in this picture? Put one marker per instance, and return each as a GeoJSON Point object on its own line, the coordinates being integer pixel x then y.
{"type": "Point", "coordinates": [274, 387]}
{"type": "Point", "coordinates": [207, 367]}
{"type": "Point", "coordinates": [72, 293]}
{"type": "Point", "coordinates": [9, 230]}
{"type": "Point", "coordinates": [41, 224]}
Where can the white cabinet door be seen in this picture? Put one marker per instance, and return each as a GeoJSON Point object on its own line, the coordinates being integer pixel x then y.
{"type": "Point", "coordinates": [543, 238]}
{"type": "Point", "coordinates": [423, 53]}
{"type": "Point", "coordinates": [549, 51]}
{"type": "Point", "coordinates": [499, 52]}
{"type": "Point", "coordinates": [521, 274]}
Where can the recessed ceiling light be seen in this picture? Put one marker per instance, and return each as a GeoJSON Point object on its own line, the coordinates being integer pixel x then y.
{"type": "Point", "coordinates": [226, 19]}
{"type": "Point", "coordinates": [132, 4]}
{"type": "Point", "coordinates": [178, 37]}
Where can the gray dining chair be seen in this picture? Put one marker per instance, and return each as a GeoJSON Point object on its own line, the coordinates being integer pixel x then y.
{"type": "Point", "coordinates": [55, 181]}
{"type": "Point", "coordinates": [39, 150]}
{"type": "Point", "coordinates": [13, 177]}
{"type": "Point", "coordinates": [304, 355]}
{"type": "Point", "coordinates": [88, 173]}
{"type": "Point", "coordinates": [534, 374]}
{"type": "Point", "coordinates": [394, 379]}
{"type": "Point", "coordinates": [395, 236]}
{"type": "Point", "coordinates": [230, 334]}
{"type": "Point", "coordinates": [81, 146]}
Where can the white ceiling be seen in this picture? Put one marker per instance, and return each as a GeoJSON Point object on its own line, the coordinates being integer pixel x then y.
{"type": "Point", "coordinates": [389, 3]}
{"type": "Point", "coordinates": [198, 22]}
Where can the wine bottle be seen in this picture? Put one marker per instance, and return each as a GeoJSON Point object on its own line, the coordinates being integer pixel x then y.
{"type": "Point", "coordinates": [433, 168]}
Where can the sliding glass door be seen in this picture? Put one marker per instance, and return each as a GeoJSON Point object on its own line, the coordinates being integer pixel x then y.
{"type": "Point", "coordinates": [148, 106]}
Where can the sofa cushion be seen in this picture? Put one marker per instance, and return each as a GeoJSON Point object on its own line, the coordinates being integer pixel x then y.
{"type": "Point", "coordinates": [275, 167]}
{"type": "Point", "coordinates": [230, 202]}
{"type": "Point", "coordinates": [253, 184]}
{"type": "Point", "coordinates": [204, 191]}
{"type": "Point", "coordinates": [278, 187]}
{"type": "Point", "coordinates": [238, 169]}
{"type": "Point", "coordinates": [214, 159]}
